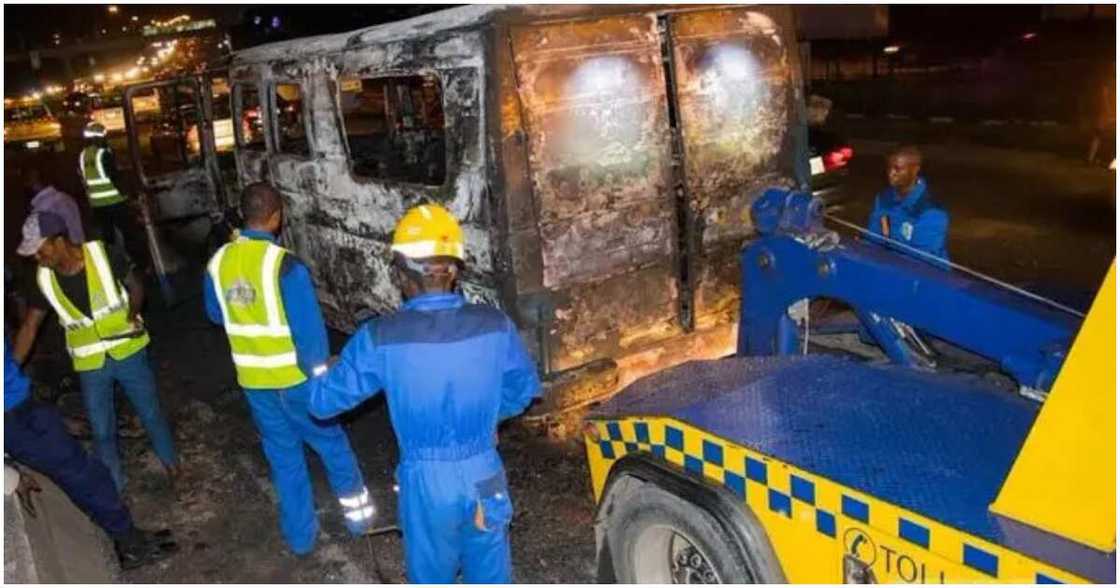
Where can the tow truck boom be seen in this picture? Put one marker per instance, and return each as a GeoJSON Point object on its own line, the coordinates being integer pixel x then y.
{"type": "Point", "coordinates": [797, 258]}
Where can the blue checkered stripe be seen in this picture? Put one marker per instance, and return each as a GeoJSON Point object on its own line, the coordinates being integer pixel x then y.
{"type": "Point", "coordinates": [712, 453]}
{"type": "Point", "coordinates": [802, 489]}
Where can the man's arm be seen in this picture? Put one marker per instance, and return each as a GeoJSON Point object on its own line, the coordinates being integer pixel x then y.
{"type": "Point", "coordinates": [351, 380]}
{"type": "Point", "coordinates": [520, 384]}
{"type": "Point", "coordinates": [213, 310]}
{"type": "Point", "coordinates": [304, 318]}
{"type": "Point", "coordinates": [25, 338]}
{"type": "Point", "coordinates": [135, 288]}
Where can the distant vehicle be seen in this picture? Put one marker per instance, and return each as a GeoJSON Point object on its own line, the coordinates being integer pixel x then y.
{"type": "Point", "coordinates": [108, 110]}
{"type": "Point", "coordinates": [829, 156]}
{"type": "Point", "coordinates": [29, 124]}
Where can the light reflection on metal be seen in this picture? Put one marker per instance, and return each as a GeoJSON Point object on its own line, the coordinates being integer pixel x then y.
{"type": "Point", "coordinates": [730, 80]}
{"type": "Point", "coordinates": [596, 131]}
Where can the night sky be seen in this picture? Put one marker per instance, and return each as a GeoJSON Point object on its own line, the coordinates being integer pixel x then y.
{"type": "Point", "coordinates": [969, 28]}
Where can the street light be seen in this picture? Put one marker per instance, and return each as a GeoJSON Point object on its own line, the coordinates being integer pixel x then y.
{"type": "Point", "coordinates": [113, 9]}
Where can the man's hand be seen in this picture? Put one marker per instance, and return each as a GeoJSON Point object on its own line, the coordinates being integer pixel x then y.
{"type": "Point", "coordinates": [27, 486]}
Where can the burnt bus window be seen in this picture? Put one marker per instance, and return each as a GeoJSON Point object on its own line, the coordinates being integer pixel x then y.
{"type": "Point", "coordinates": [394, 127]}
{"type": "Point", "coordinates": [250, 131]}
{"type": "Point", "coordinates": [291, 134]}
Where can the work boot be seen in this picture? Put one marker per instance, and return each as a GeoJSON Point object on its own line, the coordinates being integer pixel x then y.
{"type": "Point", "coordinates": [140, 547]}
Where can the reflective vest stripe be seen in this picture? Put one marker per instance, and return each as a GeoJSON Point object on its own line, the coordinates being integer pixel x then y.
{"type": "Point", "coordinates": [261, 343]}
{"type": "Point", "coordinates": [216, 278]}
{"type": "Point", "coordinates": [99, 185]}
{"type": "Point", "coordinates": [99, 347]}
{"type": "Point", "coordinates": [108, 301]}
{"type": "Point", "coordinates": [105, 274]}
{"type": "Point", "coordinates": [265, 361]}
{"type": "Point", "coordinates": [270, 284]}
{"type": "Point", "coordinates": [69, 320]}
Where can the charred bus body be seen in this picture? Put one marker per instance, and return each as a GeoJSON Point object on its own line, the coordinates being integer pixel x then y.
{"type": "Point", "coordinates": [602, 160]}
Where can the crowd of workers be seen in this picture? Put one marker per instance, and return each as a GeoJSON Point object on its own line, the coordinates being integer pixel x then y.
{"type": "Point", "coordinates": [451, 370]}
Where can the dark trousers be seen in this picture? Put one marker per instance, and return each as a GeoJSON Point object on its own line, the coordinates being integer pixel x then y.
{"type": "Point", "coordinates": [117, 218]}
{"type": "Point", "coordinates": [35, 436]}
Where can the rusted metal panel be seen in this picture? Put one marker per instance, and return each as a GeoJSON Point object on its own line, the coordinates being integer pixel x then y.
{"type": "Point", "coordinates": [595, 114]}
{"type": "Point", "coordinates": [341, 224]}
{"type": "Point", "coordinates": [559, 163]}
{"type": "Point", "coordinates": [733, 75]}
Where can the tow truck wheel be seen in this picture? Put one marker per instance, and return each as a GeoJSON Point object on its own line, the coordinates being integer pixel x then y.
{"type": "Point", "coordinates": [658, 538]}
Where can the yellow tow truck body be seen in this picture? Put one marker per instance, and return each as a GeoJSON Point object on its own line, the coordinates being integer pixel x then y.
{"type": "Point", "coordinates": [1050, 520]}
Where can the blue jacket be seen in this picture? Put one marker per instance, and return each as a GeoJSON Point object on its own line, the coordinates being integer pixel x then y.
{"type": "Point", "coordinates": [450, 371]}
{"type": "Point", "coordinates": [16, 385]}
{"type": "Point", "coordinates": [915, 220]}
{"type": "Point", "coordinates": [297, 292]}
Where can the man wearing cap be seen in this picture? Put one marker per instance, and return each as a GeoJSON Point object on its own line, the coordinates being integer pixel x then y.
{"type": "Point", "coordinates": [105, 335]}
{"type": "Point", "coordinates": [44, 197]}
{"type": "Point", "coordinates": [450, 371]}
{"type": "Point", "coordinates": [264, 298]}
{"type": "Point", "coordinates": [98, 169]}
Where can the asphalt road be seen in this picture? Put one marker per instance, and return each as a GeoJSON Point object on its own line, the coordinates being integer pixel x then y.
{"type": "Point", "coordinates": [1028, 218]}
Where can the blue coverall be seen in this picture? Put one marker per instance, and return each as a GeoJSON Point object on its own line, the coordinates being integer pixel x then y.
{"type": "Point", "coordinates": [451, 371]}
{"type": "Point", "coordinates": [918, 221]}
{"type": "Point", "coordinates": [282, 416]}
{"type": "Point", "coordinates": [35, 436]}
{"type": "Point", "coordinates": [915, 220]}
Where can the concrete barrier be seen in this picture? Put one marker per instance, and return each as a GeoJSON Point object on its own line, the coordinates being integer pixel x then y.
{"type": "Point", "coordinates": [59, 546]}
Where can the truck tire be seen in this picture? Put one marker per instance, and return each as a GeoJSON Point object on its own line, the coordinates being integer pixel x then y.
{"type": "Point", "coordinates": [657, 538]}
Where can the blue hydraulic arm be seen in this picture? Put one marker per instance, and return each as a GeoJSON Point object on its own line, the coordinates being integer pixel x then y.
{"type": "Point", "coordinates": [795, 258]}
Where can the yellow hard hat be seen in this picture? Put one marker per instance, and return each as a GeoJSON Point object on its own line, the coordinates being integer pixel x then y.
{"type": "Point", "coordinates": [428, 230]}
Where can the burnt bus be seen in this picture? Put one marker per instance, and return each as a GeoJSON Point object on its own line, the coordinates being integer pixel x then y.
{"type": "Point", "coordinates": [602, 161]}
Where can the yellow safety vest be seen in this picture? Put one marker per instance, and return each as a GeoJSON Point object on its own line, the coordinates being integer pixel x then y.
{"type": "Point", "coordinates": [101, 190]}
{"type": "Point", "coordinates": [246, 278]}
{"type": "Point", "coordinates": [88, 339]}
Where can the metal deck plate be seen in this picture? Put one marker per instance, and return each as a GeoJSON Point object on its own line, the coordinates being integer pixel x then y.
{"type": "Point", "coordinates": [939, 445]}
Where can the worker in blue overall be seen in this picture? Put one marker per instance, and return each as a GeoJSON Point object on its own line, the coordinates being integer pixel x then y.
{"type": "Point", "coordinates": [35, 436]}
{"type": "Point", "coordinates": [451, 371]}
{"type": "Point", "coordinates": [263, 296]}
{"type": "Point", "coordinates": [906, 211]}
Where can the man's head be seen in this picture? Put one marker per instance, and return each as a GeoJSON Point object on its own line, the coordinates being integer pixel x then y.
{"type": "Point", "coordinates": [903, 165]}
{"type": "Point", "coordinates": [45, 237]}
{"type": "Point", "coordinates": [427, 251]}
{"type": "Point", "coordinates": [95, 132]}
{"type": "Point", "coordinates": [262, 207]}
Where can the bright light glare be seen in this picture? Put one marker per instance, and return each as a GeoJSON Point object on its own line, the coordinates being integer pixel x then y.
{"type": "Point", "coordinates": [889, 49]}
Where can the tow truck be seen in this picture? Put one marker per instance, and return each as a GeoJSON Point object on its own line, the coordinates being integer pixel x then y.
{"type": "Point", "coordinates": [776, 465]}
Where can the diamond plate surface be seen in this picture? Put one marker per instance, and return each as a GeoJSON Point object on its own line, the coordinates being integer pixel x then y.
{"type": "Point", "coordinates": [936, 444]}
